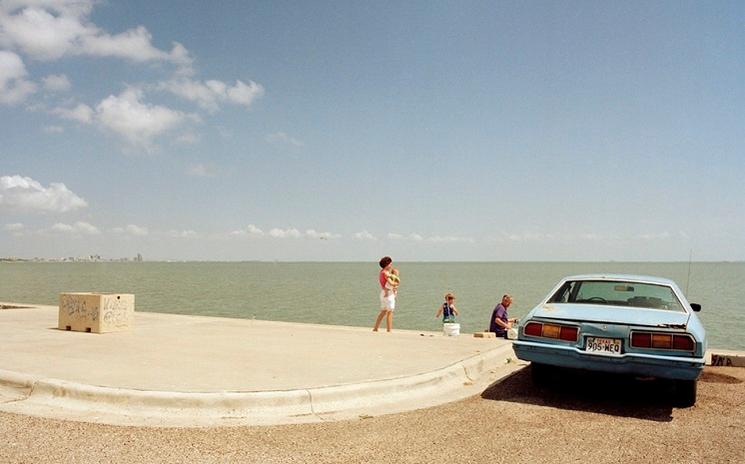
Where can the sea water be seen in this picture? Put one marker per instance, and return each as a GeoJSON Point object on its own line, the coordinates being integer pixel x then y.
{"type": "Point", "coordinates": [347, 293]}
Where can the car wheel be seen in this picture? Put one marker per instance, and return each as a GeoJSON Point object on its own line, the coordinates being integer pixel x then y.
{"type": "Point", "coordinates": [539, 373]}
{"type": "Point", "coordinates": [685, 393]}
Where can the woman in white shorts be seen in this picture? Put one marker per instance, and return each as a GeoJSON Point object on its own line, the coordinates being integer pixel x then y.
{"type": "Point", "coordinates": [387, 302]}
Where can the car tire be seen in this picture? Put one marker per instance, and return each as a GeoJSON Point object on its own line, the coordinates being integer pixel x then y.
{"type": "Point", "coordinates": [539, 373]}
{"type": "Point", "coordinates": [685, 393]}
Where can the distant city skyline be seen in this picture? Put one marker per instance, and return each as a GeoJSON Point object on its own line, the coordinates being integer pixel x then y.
{"type": "Point", "coordinates": [472, 131]}
{"type": "Point", "coordinates": [73, 259]}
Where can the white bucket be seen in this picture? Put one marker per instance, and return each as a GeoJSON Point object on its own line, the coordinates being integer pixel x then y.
{"type": "Point", "coordinates": [451, 329]}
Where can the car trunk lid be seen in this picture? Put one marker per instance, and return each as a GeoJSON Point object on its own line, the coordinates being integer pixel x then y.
{"type": "Point", "coordinates": [612, 315]}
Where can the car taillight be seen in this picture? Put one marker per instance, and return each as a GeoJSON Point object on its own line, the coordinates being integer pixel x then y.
{"type": "Point", "coordinates": [569, 333]}
{"type": "Point", "coordinates": [683, 342]}
{"type": "Point", "coordinates": [551, 331]}
{"type": "Point", "coordinates": [662, 341]}
{"type": "Point", "coordinates": [533, 328]}
{"type": "Point", "coordinates": [641, 340]}
{"type": "Point", "coordinates": [561, 332]}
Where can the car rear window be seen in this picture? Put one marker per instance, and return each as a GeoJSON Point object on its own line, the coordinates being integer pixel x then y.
{"type": "Point", "coordinates": [618, 293]}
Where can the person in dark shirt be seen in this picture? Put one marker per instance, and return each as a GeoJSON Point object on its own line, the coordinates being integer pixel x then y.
{"type": "Point", "coordinates": [448, 309]}
{"type": "Point", "coordinates": [500, 322]}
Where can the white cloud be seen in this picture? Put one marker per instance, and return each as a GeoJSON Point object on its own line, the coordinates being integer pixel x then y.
{"type": "Point", "coordinates": [283, 138]}
{"type": "Point", "coordinates": [211, 93]}
{"type": "Point", "coordinates": [16, 228]}
{"type": "Point", "coordinates": [14, 88]}
{"type": "Point", "coordinates": [244, 94]}
{"type": "Point", "coordinates": [449, 239]}
{"type": "Point", "coordinates": [414, 237]}
{"type": "Point", "coordinates": [364, 235]}
{"type": "Point", "coordinates": [49, 30]}
{"type": "Point", "coordinates": [250, 230]}
{"type": "Point", "coordinates": [60, 227]}
{"type": "Point", "coordinates": [136, 121]}
{"type": "Point", "coordinates": [131, 229]}
{"type": "Point", "coordinates": [67, 7]}
{"type": "Point", "coordinates": [138, 231]}
{"type": "Point", "coordinates": [201, 170]}
{"type": "Point", "coordinates": [312, 233]}
{"type": "Point", "coordinates": [182, 233]}
{"type": "Point", "coordinates": [285, 233]}
{"type": "Point", "coordinates": [290, 232]}
{"type": "Point", "coordinates": [192, 90]}
{"type": "Point", "coordinates": [80, 227]}
{"type": "Point", "coordinates": [24, 194]}
{"type": "Point", "coordinates": [128, 116]}
{"type": "Point", "coordinates": [81, 113]}
{"type": "Point", "coordinates": [134, 44]}
{"type": "Point", "coordinates": [86, 228]}
{"type": "Point", "coordinates": [13, 227]}
{"type": "Point", "coordinates": [42, 34]}
{"type": "Point", "coordinates": [541, 237]}
{"type": "Point", "coordinates": [531, 237]}
{"type": "Point", "coordinates": [56, 83]}
{"type": "Point", "coordinates": [180, 56]}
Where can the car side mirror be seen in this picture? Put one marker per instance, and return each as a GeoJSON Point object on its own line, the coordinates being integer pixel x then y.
{"type": "Point", "coordinates": [695, 307]}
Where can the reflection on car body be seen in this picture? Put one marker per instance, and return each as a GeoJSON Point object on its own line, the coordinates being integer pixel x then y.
{"type": "Point", "coordinates": [626, 324]}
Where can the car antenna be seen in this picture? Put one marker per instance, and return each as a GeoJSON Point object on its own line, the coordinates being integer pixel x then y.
{"type": "Point", "coordinates": [688, 280]}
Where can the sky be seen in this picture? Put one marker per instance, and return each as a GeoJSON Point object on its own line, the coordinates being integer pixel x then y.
{"type": "Point", "coordinates": [335, 131]}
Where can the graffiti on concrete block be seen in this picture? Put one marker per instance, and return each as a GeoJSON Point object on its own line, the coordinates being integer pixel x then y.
{"type": "Point", "coordinates": [115, 312]}
{"type": "Point", "coordinates": [77, 308]}
{"type": "Point", "coordinates": [721, 360]}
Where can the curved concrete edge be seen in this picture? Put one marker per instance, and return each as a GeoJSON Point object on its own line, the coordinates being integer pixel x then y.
{"type": "Point", "coordinates": [118, 406]}
{"type": "Point", "coordinates": [445, 381]}
{"type": "Point", "coordinates": [14, 386]}
{"type": "Point", "coordinates": [17, 380]}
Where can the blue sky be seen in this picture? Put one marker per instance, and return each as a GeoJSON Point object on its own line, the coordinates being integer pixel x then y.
{"type": "Point", "coordinates": [348, 130]}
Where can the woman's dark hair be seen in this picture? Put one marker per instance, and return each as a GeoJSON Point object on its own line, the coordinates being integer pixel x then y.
{"type": "Point", "coordinates": [384, 261]}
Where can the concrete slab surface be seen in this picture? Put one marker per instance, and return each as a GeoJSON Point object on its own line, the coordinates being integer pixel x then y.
{"type": "Point", "coordinates": [192, 370]}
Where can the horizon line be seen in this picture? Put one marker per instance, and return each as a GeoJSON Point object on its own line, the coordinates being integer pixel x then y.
{"type": "Point", "coordinates": [117, 260]}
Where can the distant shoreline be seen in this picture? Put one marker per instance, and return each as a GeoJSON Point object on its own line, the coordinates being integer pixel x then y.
{"type": "Point", "coordinates": [175, 261]}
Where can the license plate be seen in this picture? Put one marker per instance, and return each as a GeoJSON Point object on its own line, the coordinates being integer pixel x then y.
{"type": "Point", "coordinates": [605, 346]}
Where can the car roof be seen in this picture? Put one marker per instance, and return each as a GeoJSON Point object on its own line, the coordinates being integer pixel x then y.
{"type": "Point", "coordinates": [623, 278]}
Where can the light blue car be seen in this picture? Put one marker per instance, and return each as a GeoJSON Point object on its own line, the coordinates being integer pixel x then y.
{"type": "Point", "coordinates": [626, 324]}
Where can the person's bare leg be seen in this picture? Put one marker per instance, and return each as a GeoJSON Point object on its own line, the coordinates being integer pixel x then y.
{"type": "Point", "coordinates": [389, 320]}
{"type": "Point", "coordinates": [381, 315]}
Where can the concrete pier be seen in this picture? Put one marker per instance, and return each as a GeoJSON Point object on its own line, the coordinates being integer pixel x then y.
{"type": "Point", "coordinates": [173, 370]}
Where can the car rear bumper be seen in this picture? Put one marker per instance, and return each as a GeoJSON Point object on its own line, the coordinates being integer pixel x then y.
{"type": "Point", "coordinates": [666, 367]}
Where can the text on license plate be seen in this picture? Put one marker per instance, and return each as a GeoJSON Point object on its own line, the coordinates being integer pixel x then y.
{"type": "Point", "coordinates": [607, 346]}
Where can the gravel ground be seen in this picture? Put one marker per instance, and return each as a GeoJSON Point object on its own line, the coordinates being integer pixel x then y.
{"type": "Point", "coordinates": [576, 418]}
